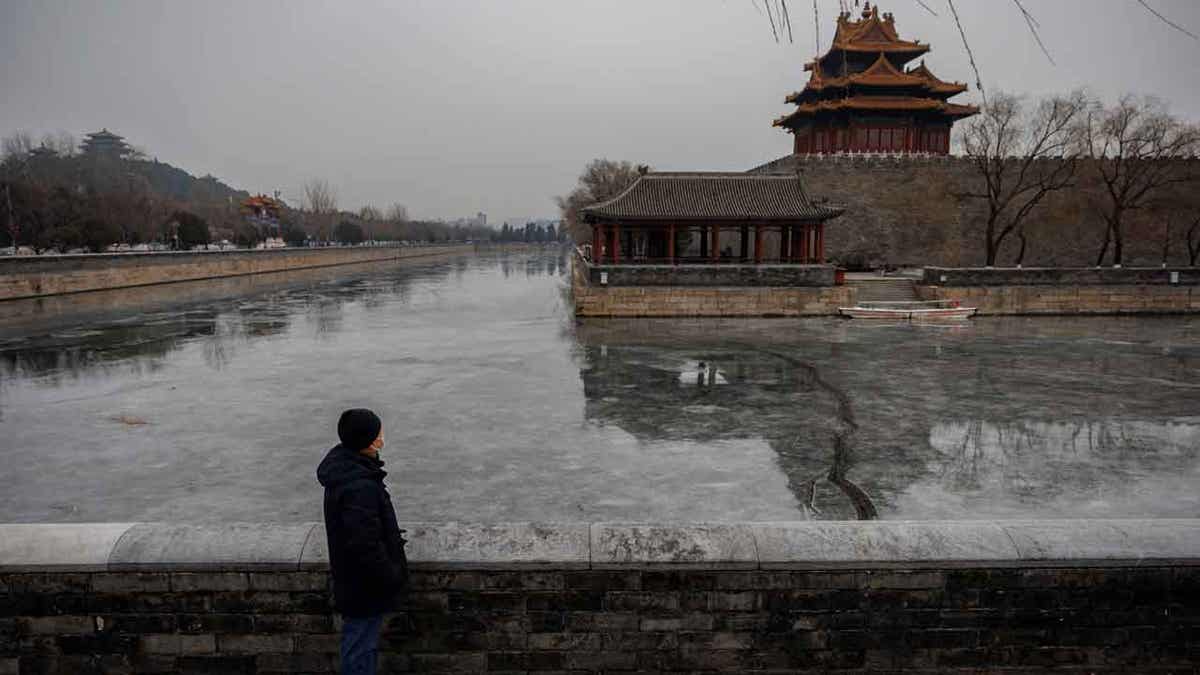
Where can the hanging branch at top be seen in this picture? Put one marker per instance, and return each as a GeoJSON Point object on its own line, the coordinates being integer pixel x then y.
{"type": "Point", "coordinates": [817, 28]}
{"type": "Point", "coordinates": [787, 20]}
{"type": "Point", "coordinates": [927, 7]}
{"type": "Point", "coordinates": [1169, 22]}
{"type": "Point", "coordinates": [767, 4]}
{"type": "Point", "coordinates": [1033, 26]}
{"type": "Point", "coordinates": [970, 54]}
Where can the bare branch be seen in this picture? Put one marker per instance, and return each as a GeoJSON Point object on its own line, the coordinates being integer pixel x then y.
{"type": "Point", "coordinates": [1167, 21]}
{"type": "Point", "coordinates": [970, 54]}
{"type": "Point", "coordinates": [1033, 28]}
{"type": "Point", "coordinates": [767, 4]}
{"type": "Point", "coordinates": [927, 7]}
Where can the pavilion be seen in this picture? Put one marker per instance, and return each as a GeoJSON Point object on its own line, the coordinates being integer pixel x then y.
{"type": "Point", "coordinates": [860, 97]}
{"type": "Point", "coordinates": [710, 217]}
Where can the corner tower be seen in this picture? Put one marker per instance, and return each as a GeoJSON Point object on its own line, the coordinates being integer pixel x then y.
{"type": "Point", "coordinates": [860, 97]}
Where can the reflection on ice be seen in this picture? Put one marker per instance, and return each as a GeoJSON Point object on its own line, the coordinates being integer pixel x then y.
{"type": "Point", "coordinates": [500, 406]}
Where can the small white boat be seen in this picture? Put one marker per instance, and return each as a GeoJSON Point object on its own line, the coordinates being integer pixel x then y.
{"type": "Point", "coordinates": [916, 310]}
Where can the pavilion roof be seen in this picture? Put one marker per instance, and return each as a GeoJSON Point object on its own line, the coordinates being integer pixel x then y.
{"type": "Point", "coordinates": [104, 134]}
{"type": "Point", "coordinates": [873, 33]}
{"type": "Point", "coordinates": [712, 196]}
{"type": "Point", "coordinates": [934, 83]}
{"type": "Point", "coordinates": [879, 103]}
{"type": "Point", "coordinates": [881, 74]}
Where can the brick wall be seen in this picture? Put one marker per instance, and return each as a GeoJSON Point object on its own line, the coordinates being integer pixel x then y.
{"type": "Point", "coordinates": [1099, 619]}
{"type": "Point", "coordinates": [24, 277]}
{"type": "Point", "coordinates": [913, 210]}
{"type": "Point", "coordinates": [859, 597]}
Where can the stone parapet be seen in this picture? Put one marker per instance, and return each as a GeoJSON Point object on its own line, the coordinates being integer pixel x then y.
{"type": "Point", "coordinates": [606, 300]}
{"type": "Point", "coordinates": [1061, 276]}
{"type": "Point", "coordinates": [27, 277]}
{"type": "Point", "coordinates": [1070, 299]}
{"type": "Point", "coordinates": [1021, 597]}
{"type": "Point", "coordinates": [132, 547]}
{"type": "Point", "coordinates": [727, 275]}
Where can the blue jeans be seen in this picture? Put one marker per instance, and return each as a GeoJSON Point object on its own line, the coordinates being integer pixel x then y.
{"type": "Point", "coordinates": [360, 644]}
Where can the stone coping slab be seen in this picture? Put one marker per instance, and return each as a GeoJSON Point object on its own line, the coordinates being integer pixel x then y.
{"type": "Point", "coordinates": [211, 547]}
{"type": "Point", "coordinates": [83, 547]}
{"type": "Point", "coordinates": [479, 545]}
{"type": "Point", "coordinates": [717, 546]}
{"type": "Point", "coordinates": [680, 546]}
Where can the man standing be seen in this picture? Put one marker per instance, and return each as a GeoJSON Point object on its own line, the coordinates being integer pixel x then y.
{"type": "Point", "coordinates": [366, 551]}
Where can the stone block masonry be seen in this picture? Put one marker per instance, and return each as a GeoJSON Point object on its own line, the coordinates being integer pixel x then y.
{"type": "Point", "coordinates": [801, 295]}
{"type": "Point", "coordinates": [1067, 290]}
{"type": "Point", "coordinates": [27, 277]}
{"type": "Point", "coordinates": [856, 597]}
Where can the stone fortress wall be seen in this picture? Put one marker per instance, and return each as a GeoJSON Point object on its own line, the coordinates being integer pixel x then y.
{"type": "Point", "coordinates": [1025, 597]}
{"type": "Point", "coordinates": [913, 210]}
{"type": "Point", "coordinates": [26, 277]}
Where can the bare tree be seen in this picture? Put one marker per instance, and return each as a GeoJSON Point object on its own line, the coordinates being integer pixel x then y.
{"type": "Point", "coordinates": [397, 213]}
{"type": "Point", "coordinates": [369, 212]}
{"type": "Point", "coordinates": [320, 200]}
{"type": "Point", "coordinates": [1136, 147]}
{"type": "Point", "coordinates": [16, 146]}
{"type": "Point", "coordinates": [1009, 148]}
{"type": "Point", "coordinates": [602, 179]}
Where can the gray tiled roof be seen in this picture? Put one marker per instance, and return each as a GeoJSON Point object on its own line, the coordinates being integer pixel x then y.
{"type": "Point", "coordinates": [712, 196]}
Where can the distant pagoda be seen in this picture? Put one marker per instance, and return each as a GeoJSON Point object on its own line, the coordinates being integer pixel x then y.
{"type": "Point", "coordinates": [104, 143]}
{"type": "Point", "coordinates": [859, 97]}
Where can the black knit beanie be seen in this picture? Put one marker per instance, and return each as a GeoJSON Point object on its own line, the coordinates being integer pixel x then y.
{"type": "Point", "coordinates": [358, 428]}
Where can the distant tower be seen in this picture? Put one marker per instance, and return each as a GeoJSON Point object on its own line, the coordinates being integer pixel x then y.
{"type": "Point", "coordinates": [860, 98]}
{"type": "Point", "coordinates": [104, 143]}
{"type": "Point", "coordinates": [481, 219]}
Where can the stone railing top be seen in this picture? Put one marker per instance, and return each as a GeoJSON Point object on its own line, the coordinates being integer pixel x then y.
{"type": "Point", "coordinates": [729, 546]}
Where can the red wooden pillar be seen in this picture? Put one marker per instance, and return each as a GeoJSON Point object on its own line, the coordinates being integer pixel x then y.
{"type": "Point", "coordinates": [616, 244]}
{"type": "Point", "coordinates": [804, 243]}
{"type": "Point", "coordinates": [787, 233]}
{"type": "Point", "coordinates": [758, 244]}
{"type": "Point", "coordinates": [821, 243]}
{"type": "Point", "coordinates": [715, 251]}
{"type": "Point", "coordinates": [671, 244]}
{"type": "Point", "coordinates": [597, 242]}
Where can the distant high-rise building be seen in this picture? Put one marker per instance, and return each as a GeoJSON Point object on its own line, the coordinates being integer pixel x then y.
{"type": "Point", "coordinates": [104, 143]}
{"type": "Point", "coordinates": [481, 219]}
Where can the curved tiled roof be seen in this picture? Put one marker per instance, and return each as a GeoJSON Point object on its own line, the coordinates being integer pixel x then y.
{"type": "Point", "coordinates": [712, 196]}
{"type": "Point", "coordinates": [886, 103]}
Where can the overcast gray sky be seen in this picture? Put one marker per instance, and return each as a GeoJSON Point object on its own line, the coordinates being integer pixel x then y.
{"type": "Point", "coordinates": [453, 107]}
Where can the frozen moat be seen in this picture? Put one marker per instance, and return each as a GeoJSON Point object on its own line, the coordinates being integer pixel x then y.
{"type": "Point", "coordinates": [213, 401]}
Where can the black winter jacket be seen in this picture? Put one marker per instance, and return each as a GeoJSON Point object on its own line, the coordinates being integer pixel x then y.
{"type": "Point", "coordinates": [366, 551]}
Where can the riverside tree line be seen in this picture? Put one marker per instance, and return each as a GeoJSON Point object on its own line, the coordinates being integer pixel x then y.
{"type": "Point", "coordinates": [1112, 183]}
{"type": "Point", "coordinates": [54, 197]}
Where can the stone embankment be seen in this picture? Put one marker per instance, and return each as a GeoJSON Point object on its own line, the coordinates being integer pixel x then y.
{"type": "Point", "coordinates": [1022, 597]}
{"type": "Point", "coordinates": [1093, 290]}
{"type": "Point", "coordinates": [705, 290]}
{"type": "Point", "coordinates": [27, 277]}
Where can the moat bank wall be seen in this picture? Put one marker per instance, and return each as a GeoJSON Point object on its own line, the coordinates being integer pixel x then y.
{"type": "Point", "coordinates": [27, 277]}
{"type": "Point", "coordinates": [707, 299]}
{"type": "Point", "coordinates": [1066, 290]}
{"type": "Point", "coordinates": [1022, 597]}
